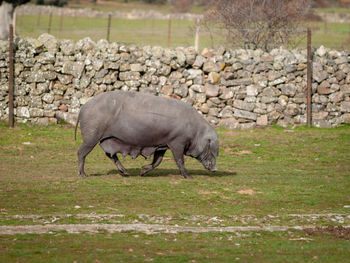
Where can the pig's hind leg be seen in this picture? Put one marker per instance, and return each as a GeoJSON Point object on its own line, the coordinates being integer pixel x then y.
{"type": "Point", "coordinates": [84, 150]}
{"type": "Point", "coordinates": [119, 165]}
{"type": "Point", "coordinates": [157, 159]}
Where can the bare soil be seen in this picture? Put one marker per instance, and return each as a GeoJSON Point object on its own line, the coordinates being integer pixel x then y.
{"type": "Point", "coordinates": [335, 231]}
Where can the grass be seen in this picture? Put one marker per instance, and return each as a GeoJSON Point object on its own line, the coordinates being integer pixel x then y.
{"type": "Point", "coordinates": [263, 172]}
{"type": "Point", "coordinates": [306, 171]}
{"type": "Point", "coordinates": [155, 32]}
{"type": "Point", "coordinates": [185, 247]}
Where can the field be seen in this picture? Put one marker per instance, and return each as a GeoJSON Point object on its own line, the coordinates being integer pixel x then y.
{"type": "Point", "coordinates": [281, 195]}
{"type": "Point", "coordinates": [155, 31]}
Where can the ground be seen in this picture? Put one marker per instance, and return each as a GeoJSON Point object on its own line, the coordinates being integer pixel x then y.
{"type": "Point", "coordinates": [281, 195]}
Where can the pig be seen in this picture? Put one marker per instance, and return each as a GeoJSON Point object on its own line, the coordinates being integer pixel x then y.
{"type": "Point", "coordinates": [134, 123]}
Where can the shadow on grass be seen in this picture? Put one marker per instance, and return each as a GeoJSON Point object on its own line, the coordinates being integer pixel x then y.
{"type": "Point", "coordinates": [169, 172]}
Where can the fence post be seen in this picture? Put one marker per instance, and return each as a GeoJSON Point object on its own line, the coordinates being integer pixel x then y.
{"type": "Point", "coordinates": [152, 25]}
{"type": "Point", "coordinates": [109, 26]}
{"type": "Point", "coordinates": [14, 22]}
{"type": "Point", "coordinates": [61, 21]}
{"type": "Point", "coordinates": [11, 78]}
{"type": "Point", "coordinates": [38, 19]}
{"type": "Point", "coordinates": [50, 22]}
{"type": "Point", "coordinates": [309, 69]}
{"type": "Point", "coordinates": [196, 38]}
{"type": "Point", "coordinates": [169, 31]}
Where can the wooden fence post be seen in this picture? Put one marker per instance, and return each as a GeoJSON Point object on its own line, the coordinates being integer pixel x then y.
{"type": "Point", "coordinates": [169, 31]}
{"type": "Point", "coordinates": [38, 19]}
{"type": "Point", "coordinates": [61, 21]}
{"type": "Point", "coordinates": [11, 78]}
{"type": "Point", "coordinates": [309, 70]}
{"type": "Point", "coordinates": [50, 22]}
{"type": "Point", "coordinates": [196, 38]}
{"type": "Point", "coordinates": [109, 26]}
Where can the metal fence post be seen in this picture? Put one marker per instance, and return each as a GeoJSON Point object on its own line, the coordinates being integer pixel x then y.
{"type": "Point", "coordinates": [309, 69]}
{"type": "Point", "coordinates": [11, 78]}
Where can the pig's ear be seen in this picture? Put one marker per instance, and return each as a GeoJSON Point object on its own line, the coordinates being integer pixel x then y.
{"type": "Point", "coordinates": [197, 148]}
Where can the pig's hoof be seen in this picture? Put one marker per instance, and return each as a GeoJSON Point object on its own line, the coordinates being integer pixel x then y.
{"type": "Point", "coordinates": [82, 175]}
{"type": "Point", "coordinates": [125, 174]}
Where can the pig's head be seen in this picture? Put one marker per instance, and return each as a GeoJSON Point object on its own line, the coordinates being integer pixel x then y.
{"type": "Point", "coordinates": [206, 150]}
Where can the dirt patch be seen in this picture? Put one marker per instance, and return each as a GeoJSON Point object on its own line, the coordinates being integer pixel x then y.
{"type": "Point", "coordinates": [335, 231]}
{"type": "Point", "coordinates": [243, 152]}
{"type": "Point", "coordinates": [248, 192]}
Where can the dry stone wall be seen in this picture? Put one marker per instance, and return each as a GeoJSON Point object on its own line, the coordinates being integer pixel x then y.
{"type": "Point", "coordinates": [237, 89]}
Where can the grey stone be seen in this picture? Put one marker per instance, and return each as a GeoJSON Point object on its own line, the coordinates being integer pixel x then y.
{"type": "Point", "coordinates": [248, 125]}
{"type": "Point", "coordinates": [85, 45]}
{"type": "Point", "coordinates": [266, 99]}
{"type": "Point", "coordinates": [226, 112]}
{"type": "Point", "coordinates": [46, 58]}
{"type": "Point", "coordinates": [49, 41]}
{"type": "Point", "coordinates": [48, 98]}
{"type": "Point", "coordinates": [23, 112]}
{"type": "Point", "coordinates": [201, 97]}
{"type": "Point", "coordinates": [324, 89]}
{"type": "Point", "coordinates": [204, 108]}
{"type": "Point", "coordinates": [321, 123]}
{"type": "Point", "coordinates": [283, 100]}
{"type": "Point", "coordinates": [73, 68]}
{"type": "Point", "coordinates": [137, 67]}
{"type": "Point", "coordinates": [341, 60]}
{"type": "Point", "coordinates": [336, 97]}
{"type": "Point", "coordinates": [345, 106]}
{"type": "Point", "coordinates": [182, 91]}
{"type": "Point", "coordinates": [252, 90]}
{"type": "Point", "coordinates": [321, 51]}
{"type": "Point", "coordinates": [292, 110]}
{"type": "Point", "coordinates": [194, 73]}
{"type": "Point", "coordinates": [211, 66]}
{"type": "Point", "coordinates": [320, 76]}
{"type": "Point", "coordinates": [262, 120]}
{"type": "Point", "coordinates": [70, 118]}
{"type": "Point", "coordinates": [226, 94]}
{"type": "Point", "coordinates": [340, 75]}
{"type": "Point", "coordinates": [65, 79]}
{"type": "Point", "coordinates": [278, 81]}
{"type": "Point", "coordinates": [101, 73]}
{"type": "Point", "coordinates": [67, 47]}
{"type": "Point", "coordinates": [211, 90]}
{"type": "Point", "coordinates": [244, 114]}
{"type": "Point", "coordinates": [36, 76]}
{"type": "Point", "coordinates": [213, 77]}
{"type": "Point", "coordinates": [237, 82]}
{"type": "Point", "coordinates": [198, 88]}
{"type": "Point", "coordinates": [240, 104]}
{"type": "Point", "coordinates": [288, 89]}
{"type": "Point", "coordinates": [198, 63]}
{"type": "Point", "coordinates": [35, 112]}
{"type": "Point", "coordinates": [230, 123]}
{"type": "Point", "coordinates": [319, 115]}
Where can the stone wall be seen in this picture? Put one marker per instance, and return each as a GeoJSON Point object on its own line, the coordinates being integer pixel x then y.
{"type": "Point", "coordinates": [237, 89]}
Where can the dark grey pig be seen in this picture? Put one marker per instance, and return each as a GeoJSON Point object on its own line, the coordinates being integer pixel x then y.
{"type": "Point", "coordinates": [132, 123]}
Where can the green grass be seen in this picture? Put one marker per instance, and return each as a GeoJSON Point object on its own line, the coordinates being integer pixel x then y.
{"type": "Point", "coordinates": [137, 247]}
{"type": "Point", "coordinates": [306, 171]}
{"type": "Point", "coordinates": [155, 32]}
{"type": "Point", "coordinates": [301, 171]}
